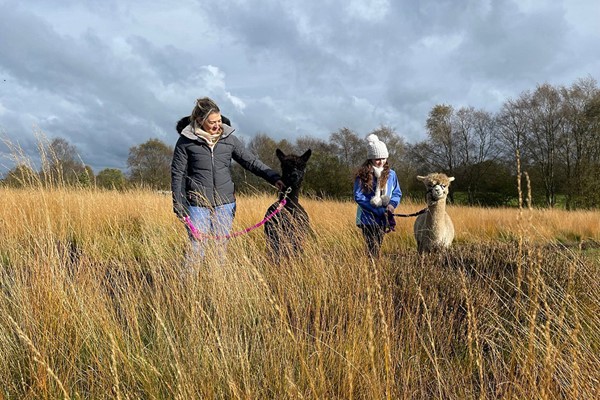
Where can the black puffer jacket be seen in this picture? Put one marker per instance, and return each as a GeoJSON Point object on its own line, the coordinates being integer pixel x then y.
{"type": "Point", "coordinates": [202, 177]}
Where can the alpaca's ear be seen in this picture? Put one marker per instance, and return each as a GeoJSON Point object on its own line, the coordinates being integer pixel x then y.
{"type": "Point", "coordinates": [306, 155]}
{"type": "Point", "coordinates": [451, 178]}
{"type": "Point", "coordinates": [421, 178]}
{"type": "Point", "coordinates": [279, 154]}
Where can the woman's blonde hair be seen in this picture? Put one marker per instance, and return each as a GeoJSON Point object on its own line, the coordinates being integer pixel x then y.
{"type": "Point", "coordinates": [203, 108]}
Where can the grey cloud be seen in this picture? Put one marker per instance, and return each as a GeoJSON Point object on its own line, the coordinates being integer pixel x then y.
{"type": "Point", "coordinates": [170, 63]}
{"type": "Point", "coordinates": [125, 72]}
{"type": "Point", "coordinates": [113, 104]}
{"type": "Point", "coordinates": [508, 44]}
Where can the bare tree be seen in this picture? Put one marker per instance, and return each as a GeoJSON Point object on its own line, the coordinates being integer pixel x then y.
{"type": "Point", "coordinates": [150, 164]}
{"type": "Point", "coordinates": [439, 152]}
{"type": "Point", "coordinates": [545, 129]}
{"type": "Point", "coordinates": [513, 124]}
{"type": "Point", "coordinates": [61, 164]}
{"type": "Point", "coordinates": [348, 146]}
{"type": "Point", "coordinates": [474, 134]}
{"type": "Point", "coordinates": [264, 147]}
{"type": "Point", "coordinates": [580, 145]}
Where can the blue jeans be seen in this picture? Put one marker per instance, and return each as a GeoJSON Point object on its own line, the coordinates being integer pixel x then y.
{"type": "Point", "coordinates": [211, 222]}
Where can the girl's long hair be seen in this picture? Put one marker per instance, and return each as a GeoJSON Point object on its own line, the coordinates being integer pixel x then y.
{"type": "Point", "coordinates": [365, 174]}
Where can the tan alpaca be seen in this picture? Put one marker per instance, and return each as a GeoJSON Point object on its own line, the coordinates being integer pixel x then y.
{"type": "Point", "coordinates": [434, 229]}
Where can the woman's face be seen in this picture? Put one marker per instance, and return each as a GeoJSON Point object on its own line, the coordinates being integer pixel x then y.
{"type": "Point", "coordinates": [379, 162]}
{"type": "Point", "coordinates": [212, 123]}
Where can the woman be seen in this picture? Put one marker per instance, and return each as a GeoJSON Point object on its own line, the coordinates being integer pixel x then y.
{"type": "Point", "coordinates": [201, 172]}
{"type": "Point", "coordinates": [377, 193]}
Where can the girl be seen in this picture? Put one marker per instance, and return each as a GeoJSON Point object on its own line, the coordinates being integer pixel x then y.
{"type": "Point", "coordinates": [377, 193]}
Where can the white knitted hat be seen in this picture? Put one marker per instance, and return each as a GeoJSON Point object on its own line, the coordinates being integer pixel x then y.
{"type": "Point", "coordinates": [376, 148]}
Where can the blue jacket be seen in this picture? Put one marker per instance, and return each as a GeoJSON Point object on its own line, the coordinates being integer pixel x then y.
{"type": "Point", "coordinates": [366, 213]}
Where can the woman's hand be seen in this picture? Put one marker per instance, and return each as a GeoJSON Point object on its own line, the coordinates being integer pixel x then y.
{"type": "Point", "coordinates": [180, 210]}
{"type": "Point", "coordinates": [280, 185]}
{"type": "Point", "coordinates": [390, 208]}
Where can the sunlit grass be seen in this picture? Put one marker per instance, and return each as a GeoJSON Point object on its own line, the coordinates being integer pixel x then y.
{"type": "Point", "coordinates": [95, 302]}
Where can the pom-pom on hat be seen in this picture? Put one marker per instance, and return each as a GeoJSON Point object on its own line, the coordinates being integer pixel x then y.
{"type": "Point", "coordinates": [376, 148]}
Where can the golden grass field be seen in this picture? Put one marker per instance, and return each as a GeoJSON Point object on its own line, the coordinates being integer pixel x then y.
{"type": "Point", "coordinates": [95, 304]}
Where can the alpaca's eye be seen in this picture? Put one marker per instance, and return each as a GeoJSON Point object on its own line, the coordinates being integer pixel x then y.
{"type": "Point", "coordinates": [443, 186]}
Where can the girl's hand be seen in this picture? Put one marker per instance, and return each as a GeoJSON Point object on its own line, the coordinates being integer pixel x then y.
{"type": "Point", "coordinates": [390, 208]}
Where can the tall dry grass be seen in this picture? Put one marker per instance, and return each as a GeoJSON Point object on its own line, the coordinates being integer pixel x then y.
{"type": "Point", "coordinates": [95, 303]}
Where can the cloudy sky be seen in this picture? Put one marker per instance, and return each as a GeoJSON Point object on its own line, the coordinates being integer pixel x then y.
{"type": "Point", "coordinates": [110, 74]}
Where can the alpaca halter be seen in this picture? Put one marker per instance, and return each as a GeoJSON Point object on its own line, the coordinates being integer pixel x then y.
{"type": "Point", "coordinates": [431, 192]}
{"type": "Point", "coordinates": [201, 236]}
{"type": "Point", "coordinates": [426, 209]}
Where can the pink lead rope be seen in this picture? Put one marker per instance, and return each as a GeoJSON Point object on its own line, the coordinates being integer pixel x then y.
{"type": "Point", "coordinates": [201, 236]}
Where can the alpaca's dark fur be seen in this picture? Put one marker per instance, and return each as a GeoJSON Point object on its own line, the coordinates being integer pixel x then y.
{"type": "Point", "coordinates": [287, 230]}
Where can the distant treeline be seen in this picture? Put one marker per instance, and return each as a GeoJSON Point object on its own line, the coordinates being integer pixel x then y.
{"type": "Point", "coordinates": [548, 137]}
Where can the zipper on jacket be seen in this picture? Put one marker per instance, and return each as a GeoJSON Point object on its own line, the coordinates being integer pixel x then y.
{"type": "Point", "coordinates": [212, 161]}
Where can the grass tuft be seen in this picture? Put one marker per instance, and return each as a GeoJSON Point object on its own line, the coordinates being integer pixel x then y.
{"type": "Point", "coordinates": [96, 302]}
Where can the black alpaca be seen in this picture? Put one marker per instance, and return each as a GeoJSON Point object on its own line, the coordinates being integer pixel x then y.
{"type": "Point", "coordinates": [287, 230]}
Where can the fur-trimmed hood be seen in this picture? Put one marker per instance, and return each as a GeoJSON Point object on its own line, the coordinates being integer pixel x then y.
{"type": "Point", "coordinates": [185, 121]}
{"type": "Point", "coordinates": [185, 129]}
{"type": "Point", "coordinates": [189, 133]}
